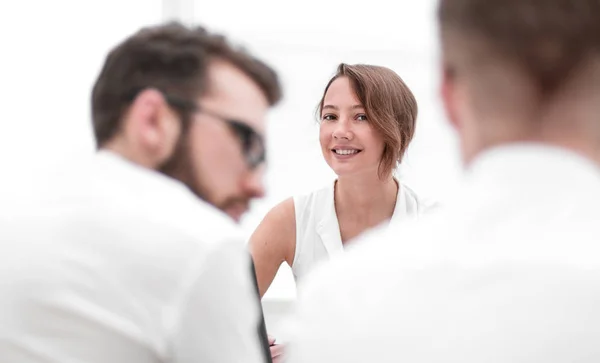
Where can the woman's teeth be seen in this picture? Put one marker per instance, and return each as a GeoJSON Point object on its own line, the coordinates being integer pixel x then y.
{"type": "Point", "coordinates": [345, 152]}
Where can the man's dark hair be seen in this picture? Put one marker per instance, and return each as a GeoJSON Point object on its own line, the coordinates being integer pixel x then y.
{"type": "Point", "coordinates": [174, 59]}
{"type": "Point", "coordinates": [547, 40]}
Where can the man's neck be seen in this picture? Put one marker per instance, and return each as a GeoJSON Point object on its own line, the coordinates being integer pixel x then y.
{"type": "Point", "coordinates": [127, 153]}
{"type": "Point", "coordinates": [587, 146]}
{"type": "Point", "coordinates": [571, 126]}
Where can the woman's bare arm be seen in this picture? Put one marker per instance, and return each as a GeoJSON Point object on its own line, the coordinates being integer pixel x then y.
{"type": "Point", "coordinates": [273, 242]}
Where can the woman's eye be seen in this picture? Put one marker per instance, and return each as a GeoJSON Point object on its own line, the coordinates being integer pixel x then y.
{"type": "Point", "coordinates": [361, 117]}
{"type": "Point", "coordinates": [328, 117]}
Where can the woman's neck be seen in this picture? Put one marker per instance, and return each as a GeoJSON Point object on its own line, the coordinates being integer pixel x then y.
{"type": "Point", "coordinates": [365, 192]}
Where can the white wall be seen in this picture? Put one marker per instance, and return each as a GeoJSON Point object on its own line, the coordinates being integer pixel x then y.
{"type": "Point", "coordinates": [51, 54]}
{"type": "Point", "coordinates": [53, 50]}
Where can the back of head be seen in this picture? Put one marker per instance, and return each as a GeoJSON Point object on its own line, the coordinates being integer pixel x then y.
{"type": "Point", "coordinates": [174, 59]}
{"type": "Point", "coordinates": [547, 40]}
{"type": "Point", "coordinates": [536, 60]}
{"type": "Point", "coordinates": [390, 106]}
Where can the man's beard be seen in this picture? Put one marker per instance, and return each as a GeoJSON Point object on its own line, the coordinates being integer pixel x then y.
{"type": "Point", "coordinates": [180, 167]}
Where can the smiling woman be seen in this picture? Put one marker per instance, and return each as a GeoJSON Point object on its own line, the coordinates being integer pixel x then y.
{"type": "Point", "coordinates": [366, 104]}
{"type": "Point", "coordinates": [367, 120]}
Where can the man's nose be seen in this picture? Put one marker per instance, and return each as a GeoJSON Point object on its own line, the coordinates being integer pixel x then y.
{"type": "Point", "coordinates": [254, 182]}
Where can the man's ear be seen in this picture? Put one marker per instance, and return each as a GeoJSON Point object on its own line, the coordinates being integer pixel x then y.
{"type": "Point", "coordinates": [449, 94]}
{"type": "Point", "coordinates": [153, 127]}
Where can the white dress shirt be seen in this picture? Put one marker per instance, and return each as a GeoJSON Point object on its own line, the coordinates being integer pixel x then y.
{"type": "Point", "coordinates": [507, 271]}
{"type": "Point", "coordinates": [118, 263]}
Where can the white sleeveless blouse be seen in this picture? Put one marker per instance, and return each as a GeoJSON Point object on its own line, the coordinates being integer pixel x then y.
{"type": "Point", "coordinates": [318, 232]}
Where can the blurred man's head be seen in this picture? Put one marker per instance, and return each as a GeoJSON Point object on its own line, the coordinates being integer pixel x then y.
{"type": "Point", "coordinates": [185, 102]}
{"type": "Point", "coordinates": [522, 70]}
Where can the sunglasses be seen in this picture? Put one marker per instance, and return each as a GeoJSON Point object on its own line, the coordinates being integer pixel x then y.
{"type": "Point", "coordinates": [251, 142]}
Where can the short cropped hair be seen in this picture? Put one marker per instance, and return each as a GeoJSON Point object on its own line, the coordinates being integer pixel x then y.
{"type": "Point", "coordinates": [546, 40]}
{"type": "Point", "coordinates": [172, 58]}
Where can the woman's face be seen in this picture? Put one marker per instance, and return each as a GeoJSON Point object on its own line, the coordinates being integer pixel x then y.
{"type": "Point", "coordinates": [349, 143]}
